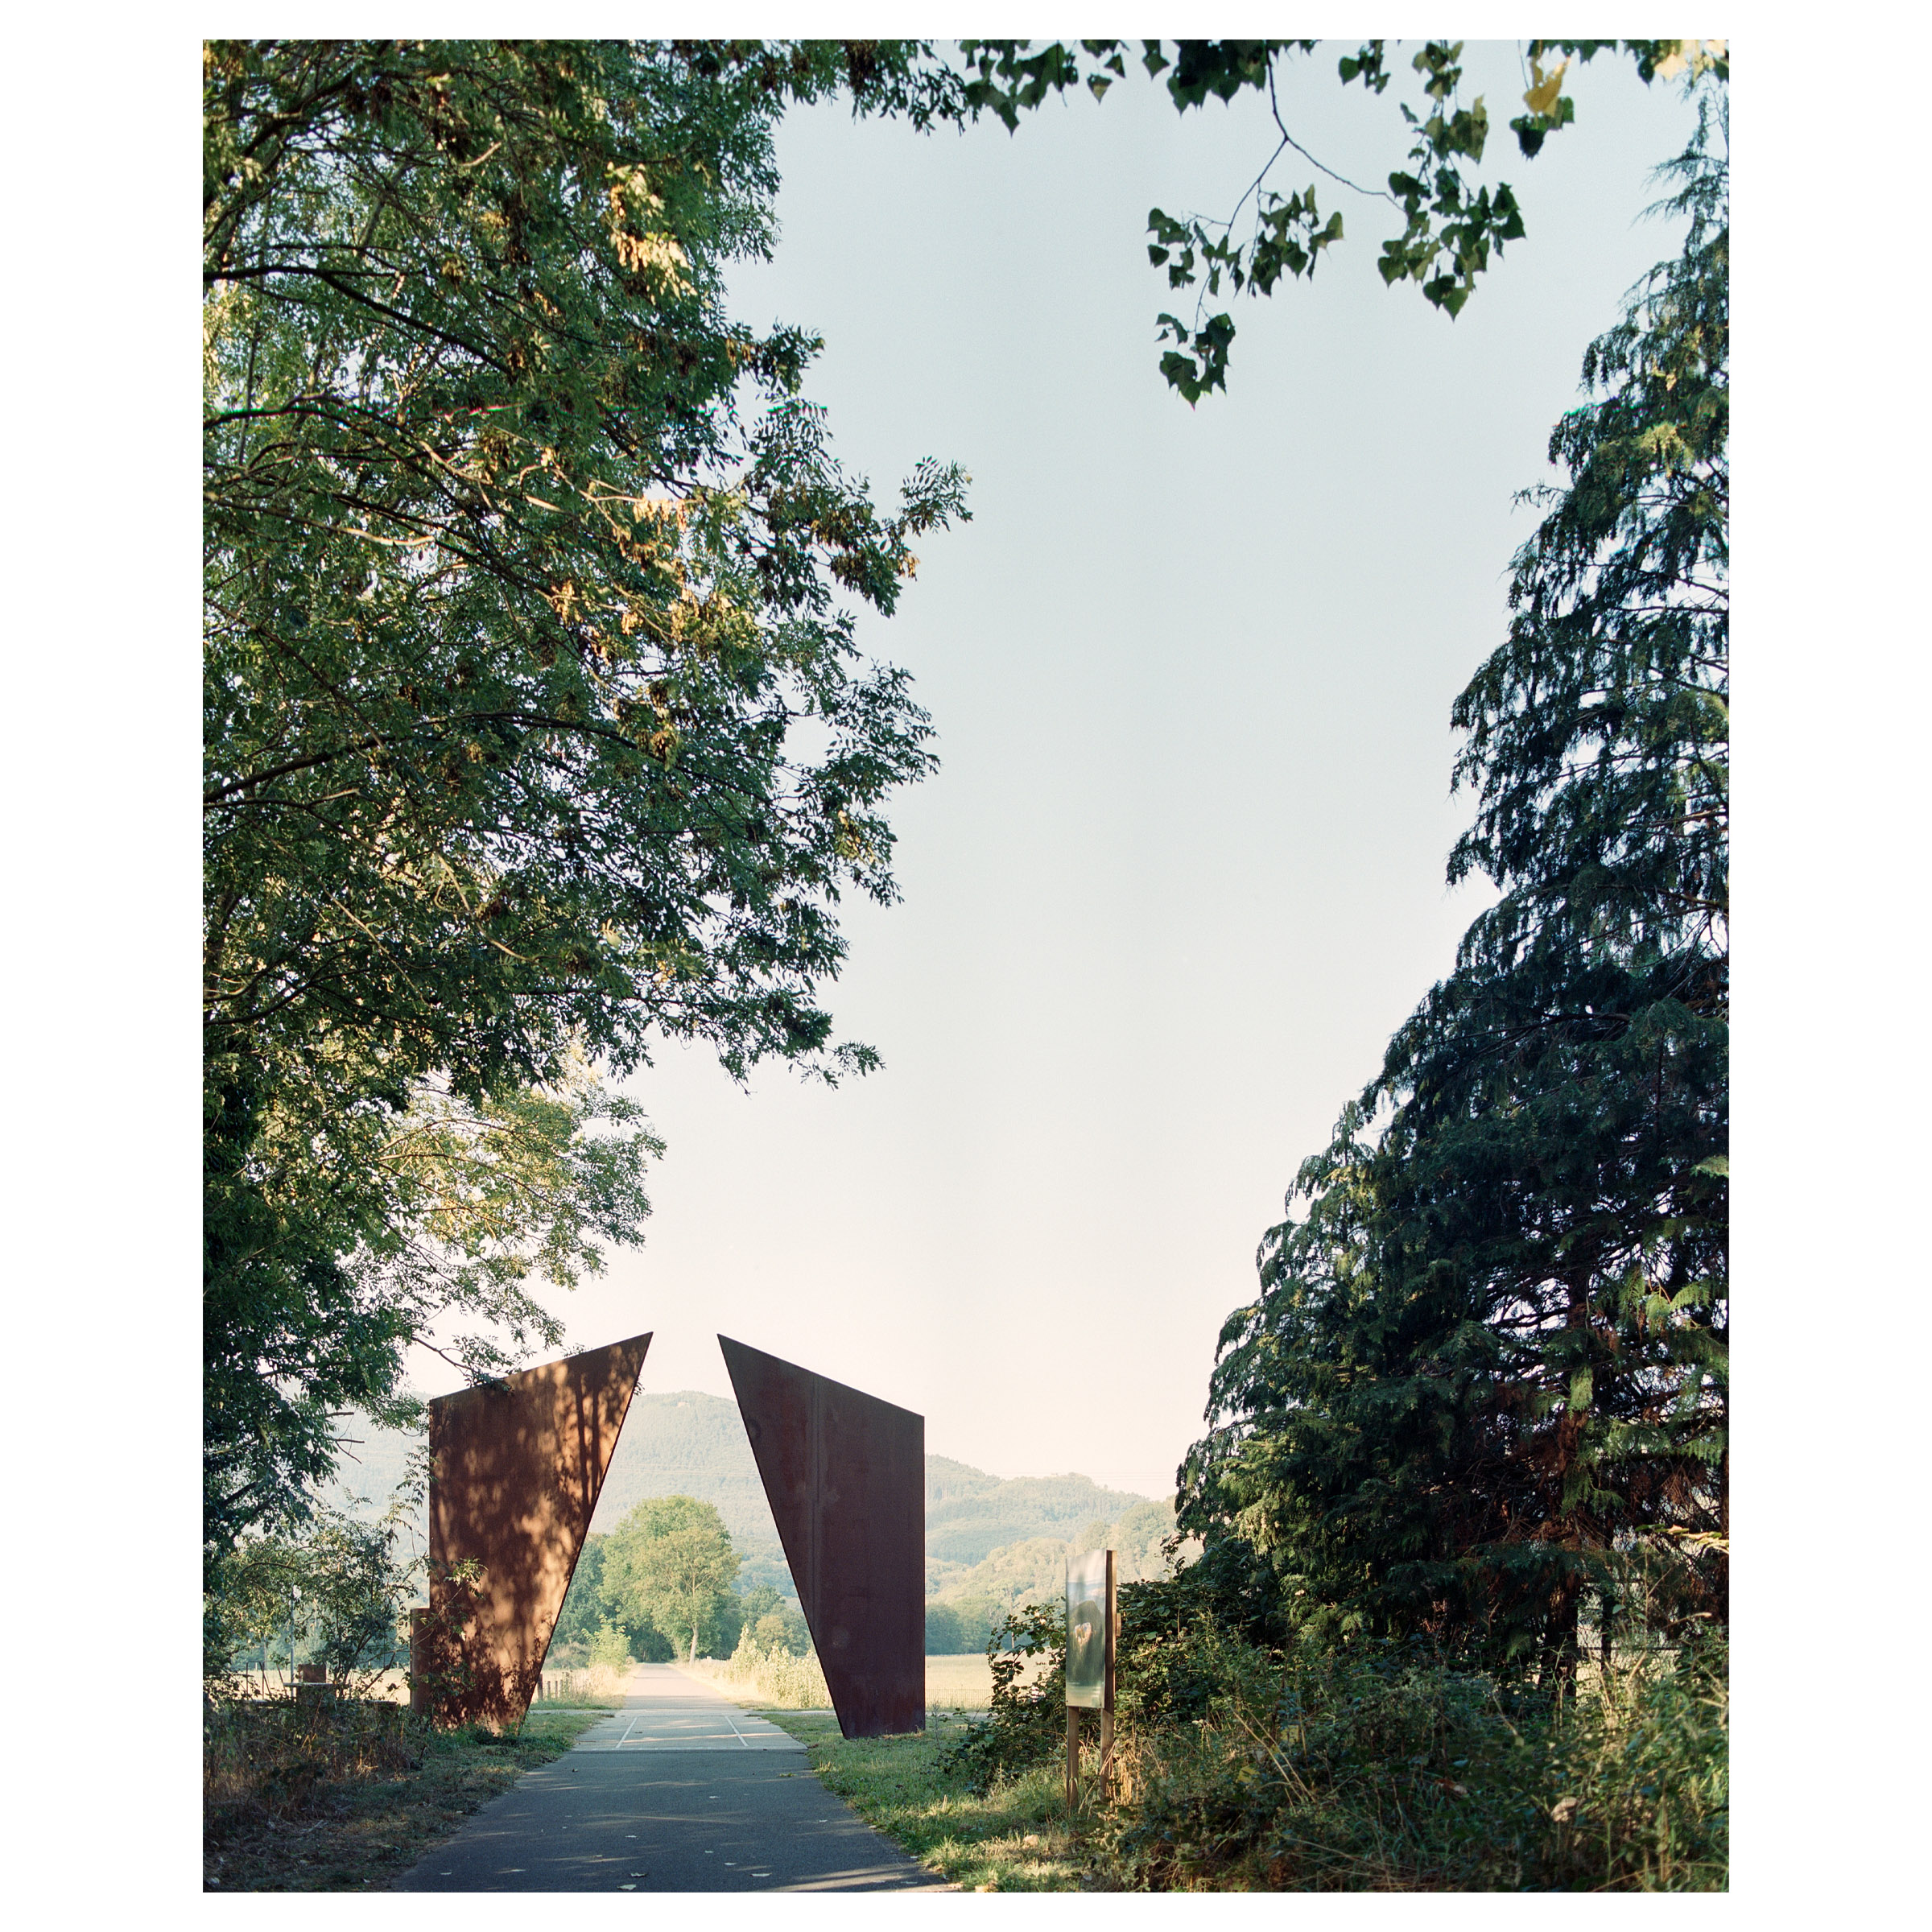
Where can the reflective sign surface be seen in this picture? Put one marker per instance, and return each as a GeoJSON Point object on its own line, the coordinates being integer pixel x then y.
{"type": "Point", "coordinates": [1087, 1631]}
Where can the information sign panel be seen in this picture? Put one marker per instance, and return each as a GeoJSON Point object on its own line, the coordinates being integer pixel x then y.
{"type": "Point", "coordinates": [1087, 1631]}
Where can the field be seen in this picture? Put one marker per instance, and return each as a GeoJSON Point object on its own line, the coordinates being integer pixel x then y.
{"type": "Point", "coordinates": [959, 1683]}
{"type": "Point", "coordinates": [952, 1683]}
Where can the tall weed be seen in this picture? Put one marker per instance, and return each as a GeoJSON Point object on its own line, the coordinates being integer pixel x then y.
{"type": "Point", "coordinates": [1378, 1770]}
{"type": "Point", "coordinates": [770, 1673]}
{"type": "Point", "coordinates": [1643, 1757]}
{"type": "Point", "coordinates": [267, 1759]}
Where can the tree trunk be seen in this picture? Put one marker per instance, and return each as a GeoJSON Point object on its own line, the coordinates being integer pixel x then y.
{"type": "Point", "coordinates": [693, 1658]}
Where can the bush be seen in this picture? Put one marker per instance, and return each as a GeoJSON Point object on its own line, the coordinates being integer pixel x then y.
{"type": "Point", "coordinates": [1644, 1758]}
{"type": "Point", "coordinates": [610, 1647]}
{"type": "Point", "coordinates": [774, 1674]}
{"type": "Point", "coordinates": [1378, 1768]}
{"type": "Point", "coordinates": [1244, 1764]}
{"type": "Point", "coordinates": [1025, 1721]}
{"type": "Point", "coordinates": [1357, 1770]}
{"type": "Point", "coordinates": [1258, 1751]}
{"type": "Point", "coordinates": [1159, 1672]}
{"type": "Point", "coordinates": [336, 1591]}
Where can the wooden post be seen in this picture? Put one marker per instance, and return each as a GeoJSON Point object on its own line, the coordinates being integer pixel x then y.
{"type": "Point", "coordinates": [418, 1661]}
{"type": "Point", "coordinates": [1073, 1757]}
{"type": "Point", "coordinates": [1112, 1615]}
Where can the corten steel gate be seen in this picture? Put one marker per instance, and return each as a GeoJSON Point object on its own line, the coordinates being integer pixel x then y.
{"type": "Point", "coordinates": [845, 1474]}
{"type": "Point", "coordinates": [515, 1467]}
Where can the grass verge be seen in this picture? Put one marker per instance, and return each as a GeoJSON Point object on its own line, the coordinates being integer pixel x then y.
{"type": "Point", "coordinates": [346, 1800]}
{"type": "Point", "coordinates": [1017, 1839]}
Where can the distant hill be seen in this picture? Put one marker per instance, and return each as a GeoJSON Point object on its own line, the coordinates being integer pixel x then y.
{"type": "Point", "coordinates": [970, 1526]}
{"type": "Point", "coordinates": [1032, 1569]}
{"type": "Point", "coordinates": [687, 1443]}
{"type": "Point", "coordinates": [947, 1481]}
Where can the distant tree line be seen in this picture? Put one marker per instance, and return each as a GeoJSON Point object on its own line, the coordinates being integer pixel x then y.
{"type": "Point", "coordinates": [661, 1586]}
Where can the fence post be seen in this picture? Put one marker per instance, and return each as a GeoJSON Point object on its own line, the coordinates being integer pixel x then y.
{"type": "Point", "coordinates": [419, 1660]}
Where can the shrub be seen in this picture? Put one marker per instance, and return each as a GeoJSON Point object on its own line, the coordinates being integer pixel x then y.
{"type": "Point", "coordinates": [1025, 1721]}
{"type": "Point", "coordinates": [334, 1591]}
{"type": "Point", "coordinates": [1373, 1769]}
{"type": "Point", "coordinates": [1247, 1758]}
{"type": "Point", "coordinates": [1377, 1767]}
{"type": "Point", "coordinates": [610, 1647]}
{"type": "Point", "coordinates": [1644, 1759]}
{"type": "Point", "coordinates": [774, 1674]}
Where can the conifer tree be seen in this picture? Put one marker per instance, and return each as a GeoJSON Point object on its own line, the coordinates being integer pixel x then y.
{"type": "Point", "coordinates": [1482, 1390]}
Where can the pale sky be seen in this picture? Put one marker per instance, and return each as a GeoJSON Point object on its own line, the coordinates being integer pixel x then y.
{"type": "Point", "coordinates": [1181, 872]}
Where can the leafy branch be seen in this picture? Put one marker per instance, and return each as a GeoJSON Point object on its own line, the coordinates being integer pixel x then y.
{"type": "Point", "coordinates": [1452, 223]}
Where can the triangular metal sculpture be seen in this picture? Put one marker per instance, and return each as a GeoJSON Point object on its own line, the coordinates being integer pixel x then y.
{"type": "Point", "coordinates": [515, 1467]}
{"type": "Point", "coordinates": [845, 1475]}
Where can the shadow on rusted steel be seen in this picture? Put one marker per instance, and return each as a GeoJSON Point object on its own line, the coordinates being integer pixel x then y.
{"type": "Point", "coordinates": [845, 1474]}
{"type": "Point", "coordinates": [515, 1467]}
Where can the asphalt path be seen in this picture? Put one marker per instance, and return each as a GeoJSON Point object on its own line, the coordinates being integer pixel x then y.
{"type": "Point", "coordinates": [679, 1791]}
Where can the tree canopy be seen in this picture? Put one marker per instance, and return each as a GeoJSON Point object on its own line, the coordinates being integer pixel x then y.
{"type": "Point", "coordinates": [1483, 1389]}
{"type": "Point", "coordinates": [534, 727]}
{"type": "Point", "coordinates": [671, 1563]}
{"type": "Point", "coordinates": [1451, 222]}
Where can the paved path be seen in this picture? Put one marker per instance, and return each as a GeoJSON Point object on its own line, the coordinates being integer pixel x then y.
{"type": "Point", "coordinates": [679, 1791]}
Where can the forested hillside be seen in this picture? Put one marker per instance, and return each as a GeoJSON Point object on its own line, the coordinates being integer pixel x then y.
{"type": "Point", "coordinates": [985, 1535]}
{"type": "Point", "coordinates": [966, 1528]}
{"type": "Point", "coordinates": [686, 1444]}
{"type": "Point", "coordinates": [965, 1600]}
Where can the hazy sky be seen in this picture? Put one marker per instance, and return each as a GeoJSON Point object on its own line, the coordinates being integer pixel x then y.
{"type": "Point", "coordinates": [1181, 872]}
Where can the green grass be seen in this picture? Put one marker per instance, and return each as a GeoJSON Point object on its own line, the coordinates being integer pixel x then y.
{"type": "Point", "coordinates": [1017, 1839]}
{"type": "Point", "coordinates": [346, 1800]}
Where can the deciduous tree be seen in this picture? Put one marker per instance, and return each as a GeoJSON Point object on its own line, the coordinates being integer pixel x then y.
{"type": "Point", "coordinates": [535, 730]}
{"type": "Point", "coordinates": [671, 1562]}
{"type": "Point", "coordinates": [1452, 220]}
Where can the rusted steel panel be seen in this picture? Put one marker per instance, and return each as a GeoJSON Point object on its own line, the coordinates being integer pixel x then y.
{"type": "Point", "coordinates": [515, 1467]}
{"type": "Point", "coordinates": [846, 1476]}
